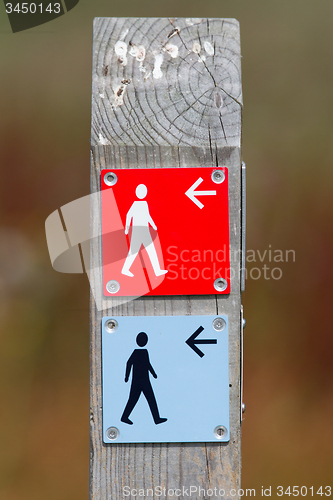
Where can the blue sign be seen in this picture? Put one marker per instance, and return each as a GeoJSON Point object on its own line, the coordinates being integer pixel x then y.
{"type": "Point", "coordinates": [165, 379]}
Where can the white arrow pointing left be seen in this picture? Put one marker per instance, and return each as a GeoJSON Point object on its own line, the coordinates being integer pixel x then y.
{"type": "Point", "coordinates": [192, 193]}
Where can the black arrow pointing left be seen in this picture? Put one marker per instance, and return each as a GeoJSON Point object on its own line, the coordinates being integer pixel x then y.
{"type": "Point", "coordinates": [192, 341]}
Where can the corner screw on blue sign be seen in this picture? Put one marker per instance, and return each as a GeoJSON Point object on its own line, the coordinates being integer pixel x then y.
{"type": "Point", "coordinates": [165, 379]}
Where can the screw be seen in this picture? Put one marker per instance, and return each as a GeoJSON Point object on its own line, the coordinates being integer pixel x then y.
{"type": "Point", "coordinates": [243, 407]}
{"type": "Point", "coordinates": [112, 433]}
{"type": "Point", "coordinates": [220, 284]}
{"type": "Point", "coordinates": [111, 325]}
{"type": "Point", "coordinates": [113, 286]}
{"type": "Point", "coordinates": [110, 178]}
{"type": "Point", "coordinates": [220, 431]}
{"type": "Point", "coordinates": [244, 323]}
{"type": "Point", "coordinates": [219, 324]}
{"type": "Point", "coordinates": [218, 176]}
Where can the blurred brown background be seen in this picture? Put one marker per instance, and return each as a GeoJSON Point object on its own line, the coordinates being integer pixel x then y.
{"type": "Point", "coordinates": [45, 81]}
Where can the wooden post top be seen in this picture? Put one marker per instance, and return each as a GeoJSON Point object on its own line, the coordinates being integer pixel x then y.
{"type": "Point", "coordinates": [167, 82]}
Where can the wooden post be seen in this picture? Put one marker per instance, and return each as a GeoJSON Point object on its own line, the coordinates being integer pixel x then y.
{"type": "Point", "coordinates": [166, 93]}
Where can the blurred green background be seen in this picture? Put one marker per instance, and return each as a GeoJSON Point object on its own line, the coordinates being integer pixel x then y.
{"type": "Point", "coordinates": [45, 84]}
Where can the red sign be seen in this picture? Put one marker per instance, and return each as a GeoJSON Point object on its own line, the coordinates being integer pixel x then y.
{"type": "Point", "coordinates": [165, 231]}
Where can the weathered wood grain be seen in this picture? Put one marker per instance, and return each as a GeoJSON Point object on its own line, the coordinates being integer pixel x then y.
{"type": "Point", "coordinates": [189, 116]}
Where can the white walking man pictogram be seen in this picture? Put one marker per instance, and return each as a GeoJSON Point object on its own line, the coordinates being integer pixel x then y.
{"type": "Point", "coordinates": [140, 217]}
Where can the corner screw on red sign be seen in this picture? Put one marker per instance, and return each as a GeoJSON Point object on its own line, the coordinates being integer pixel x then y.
{"type": "Point", "coordinates": [165, 231]}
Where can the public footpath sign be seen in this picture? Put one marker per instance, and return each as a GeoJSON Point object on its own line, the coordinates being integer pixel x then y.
{"type": "Point", "coordinates": [165, 379]}
{"type": "Point", "coordinates": [167, 255]}
{"type": "Point", "coordinates": [165, 231]}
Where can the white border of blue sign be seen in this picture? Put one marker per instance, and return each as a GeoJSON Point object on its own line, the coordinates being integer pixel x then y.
{"type": "Point", "coordinates": [192, 385]}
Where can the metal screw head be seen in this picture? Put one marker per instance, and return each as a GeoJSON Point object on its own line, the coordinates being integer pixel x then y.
{"type": "Point", "coordinates": [244, 323]}
{"type": "Point", "coordinates": [112, 433]}
{"type": "Point", "coordinates": [220, 431]}
{"type": "Point", "coordinates": [111, 325]}
{"type": "Point", "coordinates": [110, 178]}
{"type": "Point", "coordinates": [219, 324]}
{"type": "Point", "coordinates": [220, 284]}
{"type": "Point", "coordinates": [243, 407]}
{"type": "Point", "coordinates": [113, 286]}
{"type": "Point", "coordinates": [218, 176]}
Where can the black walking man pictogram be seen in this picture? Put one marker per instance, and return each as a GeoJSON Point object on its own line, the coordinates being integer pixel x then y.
{"type": "Point", "coordinates": [139, 361]}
